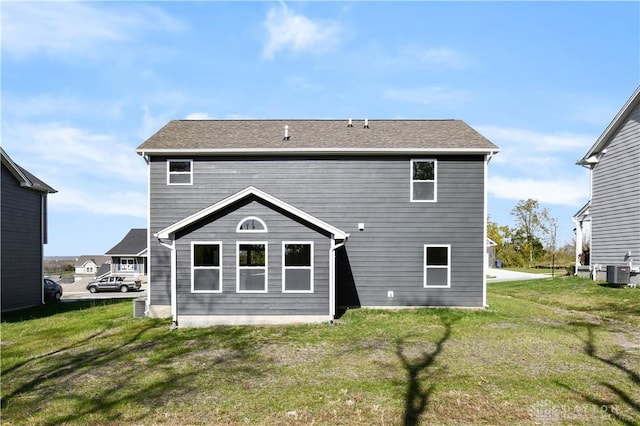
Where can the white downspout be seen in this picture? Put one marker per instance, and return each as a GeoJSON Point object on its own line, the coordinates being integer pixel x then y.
{"type": "Point", "coordinates": [485, 256]}
{"type": "Point", "coordinates": [332, 274]}
{"type": "Point", "coordinates": [147, 160]}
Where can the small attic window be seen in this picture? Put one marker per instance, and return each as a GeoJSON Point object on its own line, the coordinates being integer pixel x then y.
{"type": "Point", "coordinates": [251, 224]}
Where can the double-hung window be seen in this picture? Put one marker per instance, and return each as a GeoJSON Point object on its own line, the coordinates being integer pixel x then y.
{"type": "Point", "coordinates": [437, 266]}
{"type": "Point", "coordinates": [206, 267]}
{"type": "Point", "coordinates": [297, 267]}
{"type": "Point", "coordinates": [424, 180]}
{"type": "Point", "coordinates": [252, 267]}
{"type": "Point", "coordinates": [179, 172]}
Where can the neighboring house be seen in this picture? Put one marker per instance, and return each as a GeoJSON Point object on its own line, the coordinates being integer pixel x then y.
{"type": "Point", "coordinates": [23, 201]}
{"type": "Point", "coordinates": [269, 221]}
{"type": "Point", "coordinates": [611, 219]}
{"type": "Point", "coordinates": [89, 266]}
{"type": "Point", "coordinates": [129, 256]}
{"type": "Point", "coordinates": [491, 253]}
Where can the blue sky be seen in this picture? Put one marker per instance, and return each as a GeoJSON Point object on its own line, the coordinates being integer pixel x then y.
{"type": "Point", "coordinates": [83, 84]}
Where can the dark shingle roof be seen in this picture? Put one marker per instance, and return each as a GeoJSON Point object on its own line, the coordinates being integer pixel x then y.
{"type": "Point", "coordinates": [220, 136]}
{"type": "Point", "coordinates": [26, 179]}
{"type": "Point", "coordinates": [134, 243]}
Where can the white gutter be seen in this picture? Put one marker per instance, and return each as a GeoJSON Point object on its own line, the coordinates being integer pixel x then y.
{"type": "Point", "coordinates": [319, 151]}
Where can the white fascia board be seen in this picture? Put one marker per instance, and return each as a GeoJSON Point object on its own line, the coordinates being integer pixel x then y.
{"type": "Point", "coordinates": [318, 151]}
{"type": "Point", "coordinates": [617, 121]}
{"type": "Point", "coordinates": [167, 232]}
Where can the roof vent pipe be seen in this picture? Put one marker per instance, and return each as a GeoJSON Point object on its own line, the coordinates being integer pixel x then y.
{"type": "Point", "coordinates": [286, 132]}
{"type": "Point", "coordinates": [366, 123]}
{"type": "Point", "coordinates": [350, 123]}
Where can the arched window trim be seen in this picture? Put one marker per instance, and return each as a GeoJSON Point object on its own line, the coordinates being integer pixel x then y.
{"type": "Point", "coordinates": [264, 225]}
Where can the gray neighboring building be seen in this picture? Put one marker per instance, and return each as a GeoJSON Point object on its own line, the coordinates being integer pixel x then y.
{"type": "Point", "coordinates": [269, 221]}
{"type": "Point", "coordinates": [129, 256]}
{"type": "Point", "coordinates": [23, 203]}
{"type": "Point", "coordinates": [610, 221]}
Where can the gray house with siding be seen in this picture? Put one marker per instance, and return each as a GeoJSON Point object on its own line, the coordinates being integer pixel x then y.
{"type": "Point", "coordinates": [271, 221]}
{"type": "Point", "coordinates": [129, 256]}
{"type": "Point", "coordinates": [610, 221]}
{"type": "Point", "coordinates": [23, 203]}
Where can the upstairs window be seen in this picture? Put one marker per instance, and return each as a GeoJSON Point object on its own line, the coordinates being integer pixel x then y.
{"type": "Point", "coordinates": [423, 180]}
{"type": "Point", "coordinates": [251, 224]}
{"type": "Point", "coordinates": [437, 266]}
{"type": "Point", "coordinates": [179, 172]}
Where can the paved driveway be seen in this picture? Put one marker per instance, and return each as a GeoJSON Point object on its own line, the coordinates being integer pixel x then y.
{"type": "Point", "coordinates": [499, 274]}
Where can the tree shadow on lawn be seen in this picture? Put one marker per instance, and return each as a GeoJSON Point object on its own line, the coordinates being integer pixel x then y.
{"type": "Point", "coordinates": [98, 379]}
{"type": "Point", "coordinates": [53, 308]}
{"type": "Point", "coordinates": [421, 375]}
{"type": "Point", "coordinates": [625, 400]}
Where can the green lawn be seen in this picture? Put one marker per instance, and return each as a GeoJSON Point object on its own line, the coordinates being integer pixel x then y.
{"type": "Point", "coordinates": [562, 351]}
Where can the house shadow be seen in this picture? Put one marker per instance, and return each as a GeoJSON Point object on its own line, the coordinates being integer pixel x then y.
{"type": "Point", "coordinates": [421, 374]}
{"type": "Point", "coordinates": [624, 398]}
{"type": "Point", "coordinates": [346, 291]}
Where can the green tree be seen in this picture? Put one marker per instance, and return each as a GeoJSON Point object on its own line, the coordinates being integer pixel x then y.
{"type": "Point", "coordinates": [531, 225]}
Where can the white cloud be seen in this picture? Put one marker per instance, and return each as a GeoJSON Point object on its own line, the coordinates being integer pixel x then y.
{"type": "Point", "coordinates": [567, 191]}
{"type": "Point", "coordinates": [119, 203]}
{"type": "Point", "coordinates": [287, 30]}
{"type": "Point", "coordinates": [92, 172]}
{"type": "Point", "coordinates": [537, 141]}
{"type": "Point", "coordinates": [442, 56]}
{"type": "Point", "coordinates": [198, 116]}
{"type": "Point", "coordinates": [64, 28]}
{"type": "Point", "coordinates": [65, 146]}
{"type": "Point", "coordinates": [432, 95]}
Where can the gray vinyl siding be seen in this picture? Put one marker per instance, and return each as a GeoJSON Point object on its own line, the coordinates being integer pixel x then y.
{"type": "Point", "coordinates": [345, 191]}
{"type": "Point", "coordinates": [615, 203]}
{"type": "Point", "coordinates": [21, 245]}
{"type": "Point", "coordinates": [274, 302]}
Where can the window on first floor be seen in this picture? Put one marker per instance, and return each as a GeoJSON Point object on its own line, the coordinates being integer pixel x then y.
{"type": "Point", "coordinates": [437, 266]}
{"type": "Point", "coordinates": [423, 180]}
{"type": "Point", "coordinates": [297, 267]}
{"type": "Point", "coordinates": [127, 264]}
{"type": "Point", "coordinates": [179, 172]}
{"type": "Point", "coordinates": [206, 269]}
{"type": "Point", "coordinates": [252, 267]}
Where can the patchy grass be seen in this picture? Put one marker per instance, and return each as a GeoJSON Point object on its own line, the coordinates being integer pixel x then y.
{"type": "Point", "coordinates": [545, 352]}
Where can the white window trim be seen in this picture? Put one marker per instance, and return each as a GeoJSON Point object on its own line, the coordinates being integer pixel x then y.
{"type": "Point", "coordinates": [125, 265]}
{"type": "Point", "coordinates": [435, 180]}
{"type": "Point", "coordinates": [310, 268]}
{"type": "Point", "coordinates": [425, 267]}
{"type": "Point", "coordinates": [252, 231]}
{"type": "Point", "coordinates": [265, 267]}
{"type": "Point", "coordinates": [193, 268]}
{"type": "Point", "coordinates": [170, 173]}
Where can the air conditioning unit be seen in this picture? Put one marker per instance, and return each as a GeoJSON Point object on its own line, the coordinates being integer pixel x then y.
{"type": "Point", "coordinates": [618, 274]}
{"type": "Point", "coordinates": [139, 306]}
